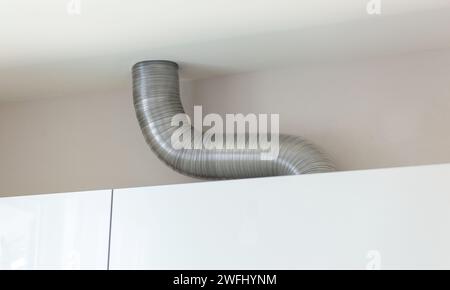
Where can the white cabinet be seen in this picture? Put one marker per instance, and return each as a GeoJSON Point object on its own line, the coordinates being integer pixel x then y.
{"type": "Point", "coordinates": [55, 231]}
{"type": "Point", "coordinates": [390, 218]}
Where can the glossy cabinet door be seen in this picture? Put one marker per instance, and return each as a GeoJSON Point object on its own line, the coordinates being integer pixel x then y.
{"type": "Point", "coordinates": [375, 219]}
{"type": "Point", "coordinates": [55, 231]}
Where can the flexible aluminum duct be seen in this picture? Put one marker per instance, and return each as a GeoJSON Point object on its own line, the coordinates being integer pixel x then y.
{"type": "Point", "coordinates": [157, 99]}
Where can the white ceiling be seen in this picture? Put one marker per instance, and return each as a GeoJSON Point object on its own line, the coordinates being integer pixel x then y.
{"type": "Point", "coordinates": [45, 52]}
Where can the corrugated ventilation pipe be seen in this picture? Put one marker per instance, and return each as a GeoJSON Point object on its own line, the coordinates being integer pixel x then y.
{"type": "Point", "coordinates": [157, 99]}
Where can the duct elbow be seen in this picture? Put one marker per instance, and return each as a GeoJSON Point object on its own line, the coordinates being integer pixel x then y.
{"type": "Point", "coordinates": [157, 100]}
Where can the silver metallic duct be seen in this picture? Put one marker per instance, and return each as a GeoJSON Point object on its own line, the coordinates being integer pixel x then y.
{"type": "Point", "coordinates": [156, 98]}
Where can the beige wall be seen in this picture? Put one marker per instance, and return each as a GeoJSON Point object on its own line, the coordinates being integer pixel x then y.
{"type": "Point", "coordinates": [378, 113]}
{"type": "Point", "coordinates": [76, 143]}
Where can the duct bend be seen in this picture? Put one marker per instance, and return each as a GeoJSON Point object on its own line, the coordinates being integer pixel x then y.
{"type": "Point", "coordinates": [157, 99]}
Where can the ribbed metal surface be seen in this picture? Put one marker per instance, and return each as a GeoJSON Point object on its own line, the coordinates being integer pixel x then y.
{"type": "Point", "coordinates": [157, 99]}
